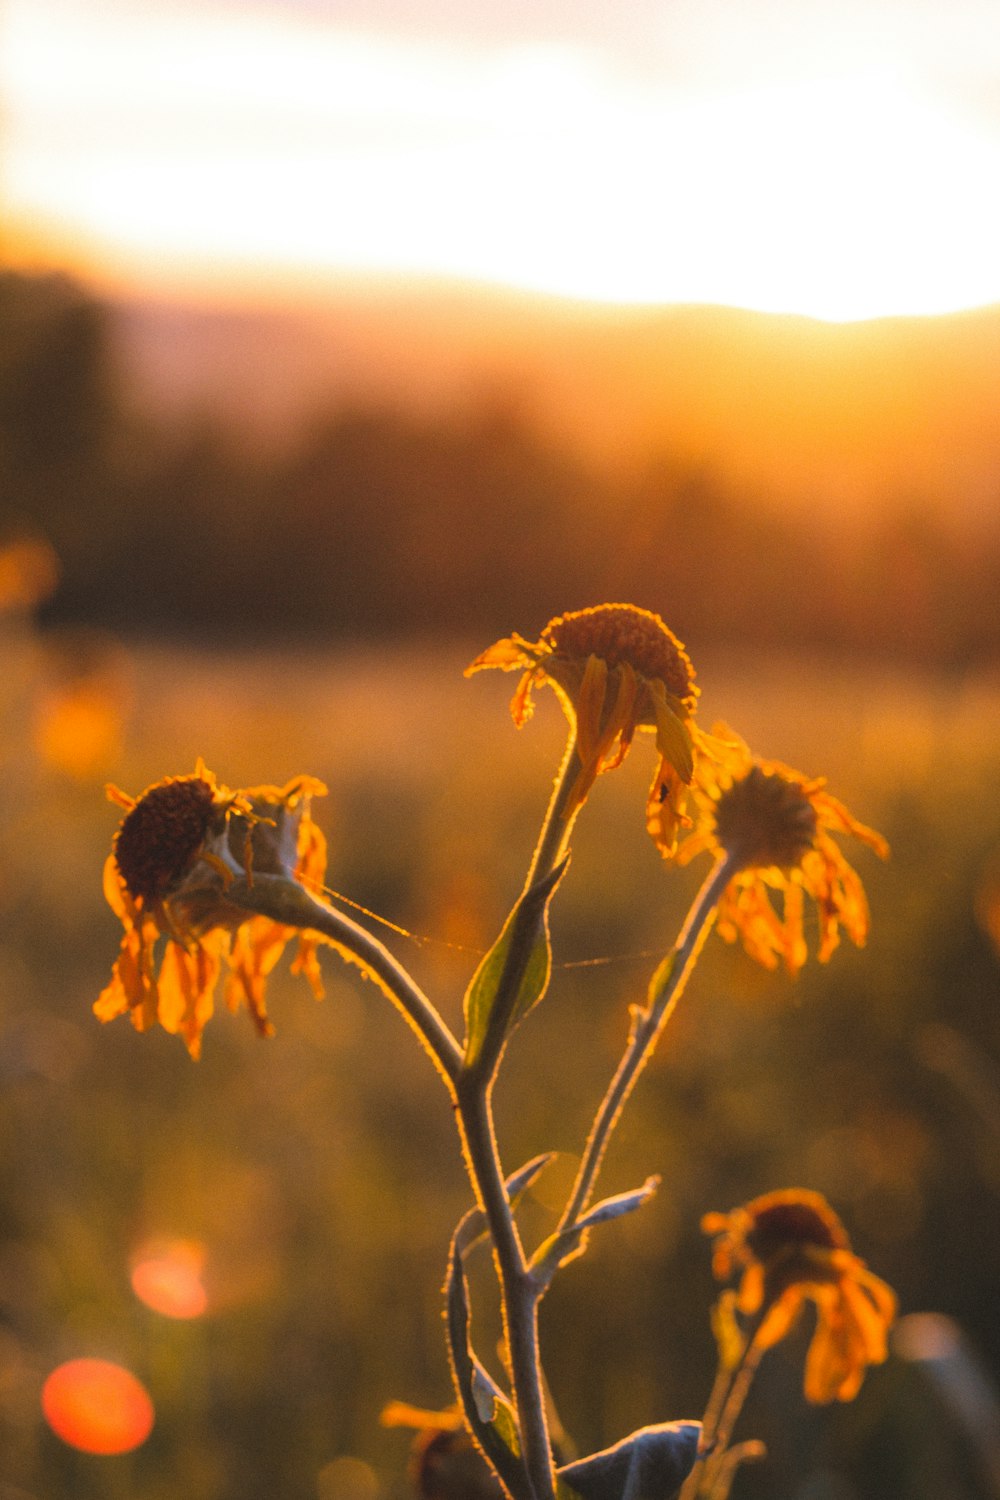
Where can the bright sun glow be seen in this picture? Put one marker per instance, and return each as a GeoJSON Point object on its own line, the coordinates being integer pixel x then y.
{"type": "Point", "coordinates": [243, 144]}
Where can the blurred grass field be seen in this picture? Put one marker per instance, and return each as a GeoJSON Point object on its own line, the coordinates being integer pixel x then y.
{"type": "Point", "coordinates": [318, 1170]}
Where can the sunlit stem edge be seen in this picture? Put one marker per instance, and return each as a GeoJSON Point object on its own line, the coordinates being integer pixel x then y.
{"type": "Point", "coordinates": [550, 850]}
{"type": "Point", "coordinates": [518, 1290]}
{"type": "Point", "coordinates": [519, 1293]}
{"type": "Point", "coordinates": [647, 1027]}
{"type": "Point", "coordinates": [289, 903]}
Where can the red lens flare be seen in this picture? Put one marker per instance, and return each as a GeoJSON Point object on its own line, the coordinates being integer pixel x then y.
{"type": "Point", "coordinates": [97, 1406]}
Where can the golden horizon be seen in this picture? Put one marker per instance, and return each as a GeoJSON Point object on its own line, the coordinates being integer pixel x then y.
{"type": "Point", "coordinates": [213, 283]}
{"type": "Point", "coordinates": [842, 190]}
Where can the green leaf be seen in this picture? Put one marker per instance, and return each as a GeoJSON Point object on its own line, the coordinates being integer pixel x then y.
{"type": "Point", "coordinates": [504, 1424]}
{"type": "Point", "coordinates": [487, 1410]}
{"type": "Point", "coordinates": [514, 975]}
{"type": "Point", "coordinates": [662, 975]}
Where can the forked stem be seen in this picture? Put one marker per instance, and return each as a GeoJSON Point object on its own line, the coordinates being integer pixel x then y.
{"type": "Point", "coordinates": [725, 1404]}
{"type": "Point", "coordinates": [518, 1291]}
{"type": "Point", "coordinates": [647, 1028]}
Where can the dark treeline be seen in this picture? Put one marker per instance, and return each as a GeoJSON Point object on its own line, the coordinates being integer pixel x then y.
{"type": "Point", "coordinates": [373, 522]}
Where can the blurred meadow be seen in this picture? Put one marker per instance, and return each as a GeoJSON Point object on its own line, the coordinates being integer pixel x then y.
{"type": "Point", "coordinates": [313, 1177]}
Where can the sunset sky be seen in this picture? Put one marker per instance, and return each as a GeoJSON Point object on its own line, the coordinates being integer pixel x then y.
{"type": "Point", "coordinates": [839, 159]}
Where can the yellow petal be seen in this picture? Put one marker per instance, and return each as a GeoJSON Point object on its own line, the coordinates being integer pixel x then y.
{"type": "Point", "coordinates": [113, 999]}
{"type": "Point", "coordinates": [506, 654]}
{"type": "Point", "coordinates": [521, 705]}
{"type": "Point", "coordinates": [673, 737]}
{"type": "Point", "coordinates": [665, 808]}
{"type": "Point", "coordinates": [621, 725]}
{"type": "Point", "coordinates": [589, 708]}
{"type": "Point", "coordinates": [779, 1318]}
{"type": "Point", "coordinates": [116, 893]}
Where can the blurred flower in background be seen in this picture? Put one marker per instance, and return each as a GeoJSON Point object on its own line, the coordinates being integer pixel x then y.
{"type": "Point", "coordinates": [29, 573]}
{"type": "Point", "coordinates": [788, 1248]}
{"type": "Point", "coordinates": [84, 694]}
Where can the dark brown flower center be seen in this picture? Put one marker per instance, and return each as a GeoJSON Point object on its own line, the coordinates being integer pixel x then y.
{"type": "Point", "coordinates": [765, 819]}
{"type": "Point", "coordinates": [786, 1224]}
{"type": "Point", "coordinates": [620, 633]}
{"type": "Point", "coordinates": [158, 839]}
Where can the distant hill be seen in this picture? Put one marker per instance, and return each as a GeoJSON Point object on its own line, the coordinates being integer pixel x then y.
{"type": "Point", "coordinates": [838, 415]}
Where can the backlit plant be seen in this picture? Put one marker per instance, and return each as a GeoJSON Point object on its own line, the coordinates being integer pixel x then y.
{"type": "Point", "coordinates": [213, 884]}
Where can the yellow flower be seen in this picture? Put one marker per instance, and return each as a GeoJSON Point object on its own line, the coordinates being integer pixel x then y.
{"type": "Point", "coordinates": [177, 851]}
{"type": "Point", "coordinates": [788, 1248]}
{"type": "Point", "coordinates": [776, 825]}
{"type": "Point", "coordinates": [615, 668]}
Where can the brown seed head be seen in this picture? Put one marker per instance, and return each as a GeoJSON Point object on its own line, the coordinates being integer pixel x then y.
{"type": "Point", "coordinates": [765, 819]}
{"type": "Point", "coordinates": [788, 1221]}
{"type": "Point", "coordinates": [159, 838]}
{"type": "Point", "coordinates": [622, 633]}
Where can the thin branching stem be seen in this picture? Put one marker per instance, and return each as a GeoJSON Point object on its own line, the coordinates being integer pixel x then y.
{"type": "Point", "coordinates": [289, 903]}
{"type": "Point", "coordinates": [518, 1289]}
{"type": "Point", "coordinates": [553, 841]}
{"type": "Point", "coordinates": [550, 851]}
{"type": "Point", "coordinates": [728, 1395]}
{"type": "Point", "coordinates": [647, 1028]}
{"type": "Point", "coordinates": [519, 1294]}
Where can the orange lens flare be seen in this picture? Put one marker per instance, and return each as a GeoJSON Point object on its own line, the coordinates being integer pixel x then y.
{"type": "Point", "coordinates": [167, 1277]}
{"type": "Point", "coordinates": [97, 1406]}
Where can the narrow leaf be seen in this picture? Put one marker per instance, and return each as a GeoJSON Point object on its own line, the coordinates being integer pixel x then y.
{"type": "Point", "coordinates": [661, 978]}
{"type": "Point", "coordinates": [518, 1182]}
{"type": "Point", "coordinates": [508, 963]}
{"type": "Point", "coordinates": [621, 1203]}
{"type": "Point", "coordinates": [472, 1227]}
{"type": "Point", "coordinates": [484, 1394]}
{"type": "Point", "coordinates": [559, 1249]}
{"type": "Point", "coordinates": [478, 1392]}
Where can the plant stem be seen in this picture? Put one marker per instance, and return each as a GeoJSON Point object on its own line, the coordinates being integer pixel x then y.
{"type": "Point", "coordinates": [288, 902]}
{"type": "Point", "coordinates": [550, 851]}
{"type": "Point", "coordinates": [726, 1403]}
{"type": "Point", "coordinates": [647, 1027]}
{"type": "Point", "coordinates": [553, 840]}
{"type": "Point", "coordinates": [519, 1291]}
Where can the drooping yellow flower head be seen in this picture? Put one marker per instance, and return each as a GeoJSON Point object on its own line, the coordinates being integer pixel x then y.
{"type": "Point", "coordinates": [177, 851]}
{"type": "Point", "coordinates": [788, 1248]}
{"type": "Point", "coordinates": [776, 825]}
{"type": "Point", "coordinates": [616, 668]}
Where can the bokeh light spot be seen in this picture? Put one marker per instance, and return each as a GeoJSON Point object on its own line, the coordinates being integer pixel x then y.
{"type": "Point", "coordinates": [97, 1406]}
{"type": "Point", "coordinates": [346, 1479]}
{"type": "Point", "coordinates": [167, 1277]}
